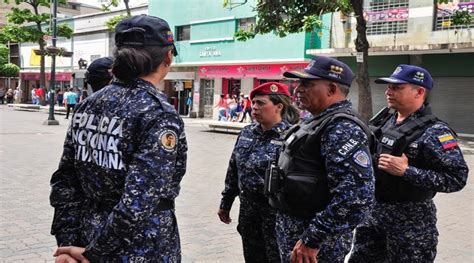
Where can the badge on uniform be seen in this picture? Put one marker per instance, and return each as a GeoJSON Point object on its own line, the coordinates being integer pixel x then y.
{"type": "Point", "coordinates": [361, 158]}
{"type": "Point", "coordinates": [447, 141]}
{"type": "Point", "coordinates": [168, 140]}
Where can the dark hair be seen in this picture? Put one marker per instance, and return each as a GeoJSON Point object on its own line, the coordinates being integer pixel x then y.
{"type": "Point", "coordinates": [289, 112]}
{"type": "Point", "coordinates": [133, 62]}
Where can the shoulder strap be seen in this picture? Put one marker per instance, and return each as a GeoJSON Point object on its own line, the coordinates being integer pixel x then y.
{"type": "Point", "coordinates": [347, 113]}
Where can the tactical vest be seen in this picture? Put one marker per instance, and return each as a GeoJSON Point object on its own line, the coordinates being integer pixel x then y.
{"type": "Point", "coordinates": [394, 141]}
{"type": "Point", "coordinates": [303, 188]}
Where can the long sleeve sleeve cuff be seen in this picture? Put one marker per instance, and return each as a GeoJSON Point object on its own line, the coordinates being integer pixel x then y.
{"type": "Point", "coordinates": [226, 203]}
{"type": "Point", "coordinates": [311, 241]}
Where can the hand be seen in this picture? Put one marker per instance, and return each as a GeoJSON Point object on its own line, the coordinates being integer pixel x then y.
{"type": "Point", "coordinates": [392, 164]}
{"type": "Point", "coordinates": [65, 258]}
{"type": "Point", "coordinates": [224, 216]}
{"type": "Point", "coordinates": [75, 252]}
{"type": "Point", "coordinates": [303, 254]}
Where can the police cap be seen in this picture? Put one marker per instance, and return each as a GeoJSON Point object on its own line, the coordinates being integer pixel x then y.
{"type": "Point", "coordinates": [321, 67]}
{"type": "Point", "coordinates": [144, 30]}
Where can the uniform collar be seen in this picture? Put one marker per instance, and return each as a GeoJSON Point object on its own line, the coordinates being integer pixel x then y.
{"type": "Point", "coordinates": [415, 115]}
{"type": "Point", "coordinates": [333, 107]}
{"type": "Point", "coordinates": [142, 84]}
{"type": "Point", "coordinates": [276, 129]}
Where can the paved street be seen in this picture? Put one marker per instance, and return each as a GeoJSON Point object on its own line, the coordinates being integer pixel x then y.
{"type": "Point", "coordinates": [29, 153]}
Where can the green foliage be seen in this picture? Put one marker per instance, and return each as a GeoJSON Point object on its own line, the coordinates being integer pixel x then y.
{"type": "Point", "coordinates": [4, 53]}
{"type": "Point", "coordinates": [18, 29]}
{"type": "Point", "coordinates": [244, 35]}
{"type": "Point", "coordinates": [462, 17]}
{"type": "Point", "coordinates": [292, 16]}
{"type": "Point", "coordinates": [106, 6]}
{"type": "Point", "coordinates": [112, 22]}
{"type": "Point", "coordinates": [9, 70]}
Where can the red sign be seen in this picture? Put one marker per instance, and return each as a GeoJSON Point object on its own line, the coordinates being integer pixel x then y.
{"type": "Point", "coordinates": [60, 76]}
{"type": "Point", "coordinates": [249, 71]}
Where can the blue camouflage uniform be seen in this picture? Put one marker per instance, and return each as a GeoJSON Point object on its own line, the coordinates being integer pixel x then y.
{"type": "Point", "coordinates": [113, 193]}
{"type": "Point", "coordinates": [252, 153]}
{"type": "Point", "coordinates": [351, 184]}
{"type": "Point", "coordinates": [406, 231]}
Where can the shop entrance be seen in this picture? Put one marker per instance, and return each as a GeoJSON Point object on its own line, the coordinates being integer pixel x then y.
{"type": "Point", "coordinates": [207, 98]}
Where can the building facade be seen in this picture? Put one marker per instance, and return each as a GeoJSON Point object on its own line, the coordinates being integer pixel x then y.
{"type": "Point", "coordinates": [418, 32]}
{"type": "Point", "coordinates": [211, 62]}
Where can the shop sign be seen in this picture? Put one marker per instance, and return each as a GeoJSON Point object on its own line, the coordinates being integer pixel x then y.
{"type": "Point", "coordinates": [387, 15]}
{"type": "Point", "coordinates": [210, 52]}
{"type": "Point", "coordinates": [249, 71]}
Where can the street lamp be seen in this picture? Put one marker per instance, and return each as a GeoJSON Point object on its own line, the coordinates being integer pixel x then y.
{"type": "Point", "coordinates": [53, 51]}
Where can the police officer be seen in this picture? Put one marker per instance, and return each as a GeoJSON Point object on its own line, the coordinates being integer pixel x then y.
{"type": "Point", "coordinates": [327, 185]}
{"type": "Point", "coordinates": [98, 73]}
{"type": "Point", "coordinates": [418, 155]}
{"type": "Point", "coordinates": [256, 146]}
{"type": "Point", "coordinates": [114, 190]}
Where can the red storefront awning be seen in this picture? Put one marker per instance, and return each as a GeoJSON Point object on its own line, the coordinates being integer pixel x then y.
{"type": "Point", "coordinates": [250, 71]}
{"type": "Point", "coordinates": [60, 76]}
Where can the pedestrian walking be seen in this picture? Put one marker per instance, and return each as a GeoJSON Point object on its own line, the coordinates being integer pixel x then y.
{"type": "Point", "coordinates": [256, 146]}
{"type": "Point", "coordinates": [60, 97]}
{"type": "Point", "coordinates": [10, 95]}
{"type": "Point", "coordinates": [119, 205]}
{"type": "Point", "coordinates": [34, 98]}
{"type": "Point", "coordinates": [418, 156]}
{"type": "Point", "coordinates": [99, 74]}
{"type": "Point", "coordinates": [70, 99]}
{"type": "Point", "coordinates": [247, 108]}
{"type": "Point", "coordinates": [18, 95]}
{"type": "Point", "coordinates": [326, 182]}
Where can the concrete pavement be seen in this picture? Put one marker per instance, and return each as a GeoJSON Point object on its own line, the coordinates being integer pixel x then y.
{"type": "Point", "coordinates": [29, 154]}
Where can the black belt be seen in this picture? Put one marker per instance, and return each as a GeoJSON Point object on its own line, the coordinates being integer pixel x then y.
{"type": "Point", "coordinates": [165, 204]}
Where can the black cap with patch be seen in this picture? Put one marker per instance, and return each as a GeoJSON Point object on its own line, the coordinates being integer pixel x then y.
{"type": "Point", "coordinates": [98, 72]}
{"type": "Point", "coordinates": [144, 30]}
{"type": "Point", "coordinates": [321, 67]}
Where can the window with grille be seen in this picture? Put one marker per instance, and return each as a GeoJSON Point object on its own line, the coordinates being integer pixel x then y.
{"type": "Point", "coordinates": [386, 17]}
{"type": "Point", "coordinates": [183, 33]}
{"type": "Point", "coordinates": [246, 23]}
{"type": "Point", "coordinates": [444, 14]}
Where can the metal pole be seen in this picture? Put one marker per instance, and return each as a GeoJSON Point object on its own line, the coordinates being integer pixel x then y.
{"type": "Point", "coordinates": [52, 83]}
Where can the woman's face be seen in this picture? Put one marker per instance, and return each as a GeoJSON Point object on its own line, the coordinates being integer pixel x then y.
{"type": "Point", "coordinates": [264, 111]}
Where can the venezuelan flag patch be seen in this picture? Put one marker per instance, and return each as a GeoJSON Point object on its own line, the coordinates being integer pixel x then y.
{"type": "Point", "coordinates": [447, 141]}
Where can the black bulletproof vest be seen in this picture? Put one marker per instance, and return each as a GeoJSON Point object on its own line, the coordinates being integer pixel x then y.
{"type": "Point", "coordinates": [304, 188]}
{"type": "Point", "coordinates": [395, 140]}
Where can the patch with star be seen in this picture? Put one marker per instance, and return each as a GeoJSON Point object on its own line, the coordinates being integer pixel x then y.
{"type": "Point", "coordinates": [167, 139]}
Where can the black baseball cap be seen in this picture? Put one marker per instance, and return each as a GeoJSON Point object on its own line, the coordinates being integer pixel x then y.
{"type": "Point", "coordinates": [144, 30]}
{"type": "Point", "coordinates": [321, 67]}
{"type": "Point", "coordinates": [98, 72]}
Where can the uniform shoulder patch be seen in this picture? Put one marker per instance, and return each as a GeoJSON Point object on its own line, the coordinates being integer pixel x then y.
{"type": "Point", "coordinates": [167, 140]}
{"type": "Point", "coordinates": [349, 146]}
{"type": "Point", "coordinates": [361, 158]}
{"type": "Point", "coordinates": [447, 141]}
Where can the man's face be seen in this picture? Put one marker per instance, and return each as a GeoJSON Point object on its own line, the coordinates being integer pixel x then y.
{"type": "Point", "coordinates": [313, 95]}
{"type": "Point", "coordinates": [400, 96]}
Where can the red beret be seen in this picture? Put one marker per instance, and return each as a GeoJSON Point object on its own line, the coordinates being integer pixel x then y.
{"type": "Point", "coordinates": [270, 88]}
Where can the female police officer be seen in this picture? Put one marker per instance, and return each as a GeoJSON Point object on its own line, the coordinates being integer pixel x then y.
{"type": "Point", "coordinates": [256, 146]}
{"type": "Point", "coordinates": [114, 190]}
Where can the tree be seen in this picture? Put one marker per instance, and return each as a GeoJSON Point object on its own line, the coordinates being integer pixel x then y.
{"type": "Point", "coordinates": [292, 16]}
{"type": "Point", "coordinates": [112, 22]}
{"type": "Point", "coordinates": [25, 25]}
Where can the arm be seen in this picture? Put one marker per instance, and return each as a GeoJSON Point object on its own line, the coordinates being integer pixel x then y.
{"type": "Point", "coordinates": [350, 179]}
{"type": "Point", "coordinates": [154, 172]}
{"type": "Point", "coordinates": [231, 188]}
{"type": "Point", "coordinates": [449, 169]}
{"type": "Point", "coordinates": [67, 198]}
